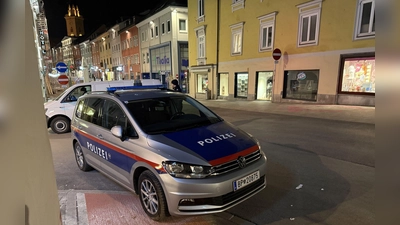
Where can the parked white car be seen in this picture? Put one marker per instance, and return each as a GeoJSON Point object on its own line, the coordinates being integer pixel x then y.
{"type": "Point", "coordinates": [59, 111]}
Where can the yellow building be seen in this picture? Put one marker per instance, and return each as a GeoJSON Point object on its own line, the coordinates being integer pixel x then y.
{"type": "Point", "coordinates": [327, 50]}
{"type": "Point", "coordinates": [105, 56]}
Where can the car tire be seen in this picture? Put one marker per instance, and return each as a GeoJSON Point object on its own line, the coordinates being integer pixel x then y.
{"type": "Point", "coordinates": [80, 158]}
{"type": "Point", "coordinates": [60, 125]}
{"type": "Point", "coordinates": [152, 196]}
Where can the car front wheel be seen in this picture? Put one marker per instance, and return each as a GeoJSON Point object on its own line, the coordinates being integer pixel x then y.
{"type": "Point", "coordinates": [80, 158]}
{"type": "Point", "coordinates": [152, 196]}
{"type": "Point", "coordinates": [60, 125]}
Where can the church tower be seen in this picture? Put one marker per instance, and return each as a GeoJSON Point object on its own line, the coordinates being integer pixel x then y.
{"type": "Point", "coordinates": [74, 22]}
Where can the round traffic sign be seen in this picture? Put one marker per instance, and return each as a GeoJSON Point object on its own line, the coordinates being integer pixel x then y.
{"type": "Point", "coordinates": [63, 79]}
{"type": "Point", "coordinates": [276, 54]}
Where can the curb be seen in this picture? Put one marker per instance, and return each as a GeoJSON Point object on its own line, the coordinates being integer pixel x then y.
{"type": "Point", "coordinates": [74, 211]}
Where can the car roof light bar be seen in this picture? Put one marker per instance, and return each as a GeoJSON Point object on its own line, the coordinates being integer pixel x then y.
{"type": "Point", "coordinates": [114, 89]}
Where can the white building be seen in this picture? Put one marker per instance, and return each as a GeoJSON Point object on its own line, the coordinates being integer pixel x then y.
{"type": "Point", "coordinates": [86, 54]}
{"type": "Point", "coordinates": [116, 53]}
{"type": "Point", "coordinates": [164, 45]}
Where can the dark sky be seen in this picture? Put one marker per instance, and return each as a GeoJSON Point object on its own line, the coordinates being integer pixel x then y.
{"type": "Point", "coordinates": [95, 13]}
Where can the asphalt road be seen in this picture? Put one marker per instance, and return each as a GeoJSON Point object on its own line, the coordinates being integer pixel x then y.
{"type": "Point", "coordinates": [319, 171]}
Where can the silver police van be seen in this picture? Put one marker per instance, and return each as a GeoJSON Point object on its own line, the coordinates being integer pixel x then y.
{"type": "Point", "coordinates": [175, 153]}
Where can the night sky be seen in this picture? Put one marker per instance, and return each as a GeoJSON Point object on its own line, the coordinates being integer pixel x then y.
{"type": "Point", "coordinates": [94, 12]}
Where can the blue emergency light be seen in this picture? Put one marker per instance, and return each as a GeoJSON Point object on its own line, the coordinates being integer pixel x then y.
{"type": "Point", "coordinates": [113, 89]}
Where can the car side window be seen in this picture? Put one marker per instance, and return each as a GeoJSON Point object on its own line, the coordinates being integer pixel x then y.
{"type": "Point", "coordinates": [77, 92]}
{"type": "Point", "coordinates": [93, 110]}
{"type": "Point", "coordinates": [114, 115]}
{"type": "Point", "coordinates": [79, 108]}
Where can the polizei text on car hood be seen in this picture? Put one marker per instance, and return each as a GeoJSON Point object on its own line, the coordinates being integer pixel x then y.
{"type": "Point", "coordinates": [216, 144]}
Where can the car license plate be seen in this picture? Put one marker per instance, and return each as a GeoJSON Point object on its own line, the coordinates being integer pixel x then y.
{"type": "Point", "coordinates": [244, 181]}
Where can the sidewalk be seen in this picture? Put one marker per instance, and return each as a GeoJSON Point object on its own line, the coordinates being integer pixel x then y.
{"type": "Point", "coordinates": [123, 208]}
{"type": "Point", "coordinates": [359, 114]}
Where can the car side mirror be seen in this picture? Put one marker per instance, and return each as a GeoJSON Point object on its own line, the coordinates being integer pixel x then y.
{"type": "Point", "coordinates": [117, 131]}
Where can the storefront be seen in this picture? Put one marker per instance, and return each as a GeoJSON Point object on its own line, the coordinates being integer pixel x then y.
{"type": "Point", "coordinates": [183, 59]}
{"type": "Point", "coordinates": [241, 85]}
{"type": "Point", "coordinates": [223, 85]}
{"type": "Point", "coordinates": [264, 86]}
{"type": "Point", "coordinates": [160, 63]}
{"type": "Point", "coordinates": [301, 84]}
{"type": "Point", "coordinates": [357, 79]}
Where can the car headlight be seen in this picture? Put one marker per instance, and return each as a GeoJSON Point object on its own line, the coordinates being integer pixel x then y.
{"type": "Point", "coordinates": [182, 170]}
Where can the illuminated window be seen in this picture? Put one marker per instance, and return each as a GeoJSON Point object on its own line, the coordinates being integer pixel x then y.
{"type": "Point", "coordinates": [365, 20]}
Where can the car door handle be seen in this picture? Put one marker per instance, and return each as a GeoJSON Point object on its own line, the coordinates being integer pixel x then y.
{"type": "Point", "coordinates": [100, 136]}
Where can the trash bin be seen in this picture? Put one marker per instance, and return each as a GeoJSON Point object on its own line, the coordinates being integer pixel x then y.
{"type": "Point", "coordinates": [208, 94]}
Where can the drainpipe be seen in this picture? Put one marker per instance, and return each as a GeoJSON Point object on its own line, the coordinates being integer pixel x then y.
{"type": "Point", "coordinates": [217, 39]}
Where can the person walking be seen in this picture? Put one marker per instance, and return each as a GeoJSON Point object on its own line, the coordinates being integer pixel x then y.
{"type": "Point", "coordinates": [175, 86]}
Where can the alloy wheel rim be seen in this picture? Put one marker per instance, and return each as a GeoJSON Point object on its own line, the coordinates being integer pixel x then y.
{"type": "Point", "coordinates": [79, 156]}
{"type": "Point", "coordinates": [61, 126]}
{"type": "Point", "coordinates": [149, 196]}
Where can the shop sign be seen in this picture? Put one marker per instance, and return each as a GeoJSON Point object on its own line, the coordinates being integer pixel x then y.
{"type": "Point", "coordinates": [301, 76]}
{"type": "Point", "coordinates": [162, 61]}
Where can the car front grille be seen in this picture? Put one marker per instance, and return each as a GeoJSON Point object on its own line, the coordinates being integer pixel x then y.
{"type": "Point", "coordinates": [234, 165]}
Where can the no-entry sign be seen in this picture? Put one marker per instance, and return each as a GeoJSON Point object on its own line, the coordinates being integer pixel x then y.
{"type": "Point", "coordinates": [63, 79]}
{"type": "Point", "coordinates": [276, 54]}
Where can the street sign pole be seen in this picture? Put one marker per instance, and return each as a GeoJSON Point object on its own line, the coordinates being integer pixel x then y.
{"type": "Point", "coordinates": [276, 55]}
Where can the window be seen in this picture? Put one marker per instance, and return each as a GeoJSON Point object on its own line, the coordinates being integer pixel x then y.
{"type": "Point", "coordinates": [267, 24]}
{"type": "Point", "coordinates": [147, 57]}
{"type": "Point", "coordinates": [200, 12]}
{"type": "Point", "coordinates": [143, 36]}
{"type": "Point", "coordinates": [135, 41]}
{"type": "Point", "coordinates": [201, 45]}
{"type": "Point", "coordinates": [301, 84]}
{"type": "Point", "coordinates": [182, 25]}
{"type": "Point", "coordinates": [309, 19]}
{"type": "Point", "coordinates": [365, 21]}
{"type": "Point", "coordinates": [202, 83]}
{"type": "Point", "coordinates": [152, 33]}
{"type": "Point", "coordinates": [156, 31]}
{"type": "Point", "coordinates": [163, 28]}
{"type": "Point", "coordinates": [91, 112]}
{"type": "Point", "coordinates": [115, 116]}
{"type": "Point", "coordinates": [358, 74]}
{"type": "Point", "coordinates": [144, 58]}
{"type": "Point", "coordinates": [242, 80]}
{"type": "Point", "coordinates": [236, 46]}
{"type": "Point", "coordinates": [237, 4]}
{"type": "Point", "coordinates": [168, 26]}
{"type": "Point", "coordinates": [223, 84]}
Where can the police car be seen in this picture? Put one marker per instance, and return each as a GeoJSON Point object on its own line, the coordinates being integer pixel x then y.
{"type": "Point", "coordinates": [176, 154]}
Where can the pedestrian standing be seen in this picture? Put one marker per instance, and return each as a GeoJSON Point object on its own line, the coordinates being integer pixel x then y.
{"type": "Point", "coordinates": [175, 86]}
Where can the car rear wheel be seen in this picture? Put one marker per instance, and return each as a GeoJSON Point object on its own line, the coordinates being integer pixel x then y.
{"type": "Point", "coordinates": [80, 158]}
{"type": "Point", "coordinates": [152, 196]}
{"type": "Point", "coordinates": [60, 125]}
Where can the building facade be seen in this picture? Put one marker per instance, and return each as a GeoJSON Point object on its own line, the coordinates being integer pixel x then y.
{"type": "Point", "coordinates": [68, 54]}
{"type": "Point", "coordinates": [74, 22]}
{"type": "Point", "coordinates": [164, 46]}
{"type": "Point", "coordinates": [116, 54]}
{"type": "Point", "coordinates": [105, 56]}
{"type": "Point", "coordinates": [45, 58]}
{"type": "Point", "coordinates": [318, 63]}
{"type": "Point", "coordinates": [203, 46]}
{"type": "Point", "coordinates": [130, 49]}
{"type": "Point", "coordinates": [86, 54]}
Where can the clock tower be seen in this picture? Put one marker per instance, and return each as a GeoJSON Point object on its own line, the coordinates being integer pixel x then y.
{"type": "Point", "coordinates": [74, 22]}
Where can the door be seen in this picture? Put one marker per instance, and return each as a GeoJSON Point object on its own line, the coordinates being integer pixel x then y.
{"type": "Point", "coordinates": [121, 151]}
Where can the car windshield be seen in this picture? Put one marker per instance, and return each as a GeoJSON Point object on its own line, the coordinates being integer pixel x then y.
{"type": "Point", "coordinates": [169, 114]}
{"type": "Point", "coordinates": [60, 95]}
